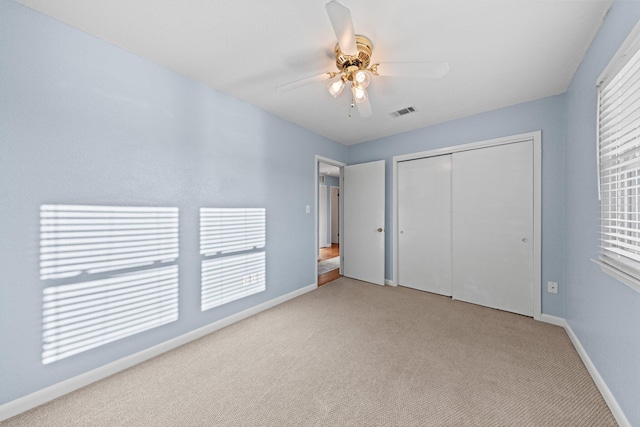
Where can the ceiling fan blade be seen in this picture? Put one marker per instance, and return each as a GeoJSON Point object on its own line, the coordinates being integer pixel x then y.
{"type": "Point", "coordinates": [340, 17]}
{"type": "Point", "coordinates": [425, 70]}
{"type": "Point", "coordinates": [304, 82]}
{"type": "Point", "coordinates": [364, 108]}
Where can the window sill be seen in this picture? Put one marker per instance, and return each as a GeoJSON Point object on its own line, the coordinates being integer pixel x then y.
{"type": "Point", "coordinates": [619, 275]}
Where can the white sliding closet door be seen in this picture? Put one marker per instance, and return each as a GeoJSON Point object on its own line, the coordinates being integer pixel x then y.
{"type": "Point", "coordinates": [493, 227]}
{"type": "Point", "coordinates": [424, 224]}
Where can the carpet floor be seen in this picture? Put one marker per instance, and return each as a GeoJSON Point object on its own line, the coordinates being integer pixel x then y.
{"type": "Point", "coordinates": [353, 354]}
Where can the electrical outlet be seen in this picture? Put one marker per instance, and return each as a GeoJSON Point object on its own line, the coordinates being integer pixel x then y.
{"type": "Point", "coordinates": [552, 287]}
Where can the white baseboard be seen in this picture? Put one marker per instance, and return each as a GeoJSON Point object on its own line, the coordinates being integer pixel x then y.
{"type": "Point", "coordinates": [47, 394]}
{"type": "Point", "coordinates": [595, 375]}
{"type": "Point", "coordinates": [389, 282]}
{"type": "Point", "coordinates": [611, 401]}
{"type": "Point", "coordinates": [554, 320]}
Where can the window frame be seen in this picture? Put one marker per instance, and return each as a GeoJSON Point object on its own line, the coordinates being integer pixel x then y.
{"type": "Point", "coordinates": [622, 268]}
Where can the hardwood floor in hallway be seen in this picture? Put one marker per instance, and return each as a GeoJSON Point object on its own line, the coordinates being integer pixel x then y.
{"type": "Point", "coordinates": [330, 252]}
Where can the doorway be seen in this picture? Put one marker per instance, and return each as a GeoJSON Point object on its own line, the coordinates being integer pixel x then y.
{"type": "Point", "coordinates": [328, 220]}
{"type": "Point", "coordinates": [329, 257]}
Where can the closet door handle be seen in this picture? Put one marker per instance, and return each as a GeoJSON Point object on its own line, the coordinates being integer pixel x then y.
{"type": "Point", "coordinates": [380, 230]}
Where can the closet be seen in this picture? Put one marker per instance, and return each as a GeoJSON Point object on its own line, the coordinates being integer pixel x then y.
{"type": "Point", "coordinates": [466, 225]}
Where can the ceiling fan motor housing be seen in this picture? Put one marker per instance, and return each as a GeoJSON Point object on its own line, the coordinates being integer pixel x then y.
{"type": "Point", "coordinates": [360, 61]}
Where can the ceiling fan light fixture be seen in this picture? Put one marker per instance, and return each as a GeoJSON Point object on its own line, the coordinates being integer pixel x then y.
{"type": "Point", "coordinates": [362, 78]}
{"type": "Point", "coordinates": [336, 86]}
{"type": "Point", "coordinates": [359, 93]}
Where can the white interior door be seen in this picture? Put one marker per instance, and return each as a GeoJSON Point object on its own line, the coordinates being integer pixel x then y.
{"type": "Point", "coordinates": [322, 216]}
{"type": "Point", "coordinates": [493, 227]}
{"type": "Point", "coordinates": [424, 224]}
{"type": "Point", "coordinates": [335, 214]}
{"type": "Point", "coordinates": [363, 222]}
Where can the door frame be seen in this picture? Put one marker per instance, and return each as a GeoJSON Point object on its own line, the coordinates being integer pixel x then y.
{"type": "Point", "coordinates": [536, 138]}
{"type": "Point", "coordinates": [321, 159]}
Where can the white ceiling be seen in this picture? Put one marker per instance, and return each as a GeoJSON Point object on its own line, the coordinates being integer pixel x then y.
{"type": "Point", "coordinates": [501, 52]}
{"type": "Point", "coordinates": [327, 169]}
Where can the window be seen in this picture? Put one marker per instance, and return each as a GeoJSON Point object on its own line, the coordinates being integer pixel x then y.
{"type": "Point", "coordinates": [619, 163]}
{"type": "Point", "coordinates": [232, 242]}
{"type": "Point", "coordinates": [108, 272]}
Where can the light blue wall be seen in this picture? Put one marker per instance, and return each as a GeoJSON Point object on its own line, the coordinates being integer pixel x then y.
{"type": "Point", "coordinates": [332, 181]}
{"type": "Point", "coordinates": [545, 114]}
{"type": "Point", "coordinates": [84, 122]}
{"type": "Point", "coordinates": [604, 313]}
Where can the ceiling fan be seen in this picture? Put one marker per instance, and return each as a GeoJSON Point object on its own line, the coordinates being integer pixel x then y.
{"type": "Point", "coordinates": [353, 60]}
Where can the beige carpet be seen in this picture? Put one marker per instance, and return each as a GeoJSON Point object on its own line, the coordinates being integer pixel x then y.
{"type": "Point", "coordinates": [351, 353]}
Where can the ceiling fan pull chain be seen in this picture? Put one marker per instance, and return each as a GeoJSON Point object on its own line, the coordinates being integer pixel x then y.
{"type": "Point", "coordinates": [351, 105]}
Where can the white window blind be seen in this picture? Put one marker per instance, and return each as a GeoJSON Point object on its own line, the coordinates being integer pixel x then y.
{"type": "Point", "coordinates": [109, 272]}
{"type": "Point", "coordinates": [232, 240]}
{"type": "Point", "coordinates": [619, 163]}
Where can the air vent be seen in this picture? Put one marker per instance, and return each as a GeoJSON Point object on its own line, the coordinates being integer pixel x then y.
{"type": "Point", "coordinates": [403, 112]}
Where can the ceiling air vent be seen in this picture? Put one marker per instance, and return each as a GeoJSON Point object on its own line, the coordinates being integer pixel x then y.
{"type": "Point", "coordinates": [402, 112]}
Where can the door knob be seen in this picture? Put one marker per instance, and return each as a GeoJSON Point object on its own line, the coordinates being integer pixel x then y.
{"type": "Point", "coordinates": [380, 230]}
{"type": "Point", "coordinates": [525, 240]}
